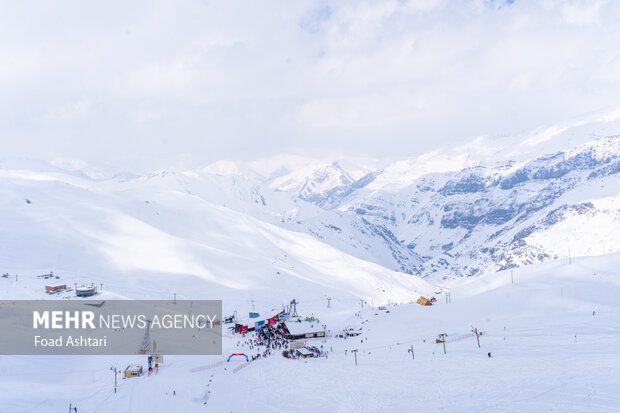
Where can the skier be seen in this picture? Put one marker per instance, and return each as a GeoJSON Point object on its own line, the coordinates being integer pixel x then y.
{"type": "Point", "coordinates": [489, 354]}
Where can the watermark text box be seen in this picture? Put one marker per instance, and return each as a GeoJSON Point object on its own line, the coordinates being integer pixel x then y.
{"type": "Point", "coordinates": [112, 327]}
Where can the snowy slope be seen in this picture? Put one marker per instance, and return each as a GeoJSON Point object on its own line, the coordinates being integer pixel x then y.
{"type": "Point", "coordinates": [144, 233]}
{"type": "Point", "coordinates": [553, 336]}
{"type": "Point", "coordinates": [231, 186]}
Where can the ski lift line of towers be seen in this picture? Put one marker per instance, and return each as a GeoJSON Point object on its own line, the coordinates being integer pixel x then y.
{"type": "Point", "coordinates": [441, 339]}
{"type": "Point", "coordinates": [447, 294]}
{"type": "Point", "coordinates": [292, 305]}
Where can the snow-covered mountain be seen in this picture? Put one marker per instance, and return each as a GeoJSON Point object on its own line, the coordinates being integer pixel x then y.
{"type": "Point", "coordinates": [489, 205]}
{"type": "Point", "coordinates": [147, 232]}
{"type": "Point", "coordinates": [321, 186]}
{"type": "Point", "coordinates": [485, 218]}
{"type": "Point", "coordinates": [227, 186]}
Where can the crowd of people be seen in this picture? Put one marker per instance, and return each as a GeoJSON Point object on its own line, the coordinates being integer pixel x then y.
{"type": "Point", "coordinates": [267, 339]}
{"type": "Point", "coordinates": [271, 338]}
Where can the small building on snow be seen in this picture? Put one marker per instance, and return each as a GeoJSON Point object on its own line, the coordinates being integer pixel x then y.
{"type": "Point", "coordinates": [86, 290]}
{"type": "Point", "coordinates": [303, 329]}
{"type": "Point", "coordinates": [424, 301]}
{"type": "Point", "coordinates": [51, 289]}
{"type": "Point", "coordinates": [133, 370]}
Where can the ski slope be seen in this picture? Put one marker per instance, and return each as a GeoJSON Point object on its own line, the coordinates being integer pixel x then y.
{"type": "Point", "coordinates": [550, 352]}
{"type": "Point", "coordinates": [140, 241]}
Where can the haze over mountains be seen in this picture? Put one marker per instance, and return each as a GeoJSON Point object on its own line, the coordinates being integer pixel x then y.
{"type": "Point", "coordinates": [493, 204]}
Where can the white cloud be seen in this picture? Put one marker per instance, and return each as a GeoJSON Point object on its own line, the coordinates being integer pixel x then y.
{"type": "Point", "coordinates": [355, 112]}
{"type": "Point", "coordinates": [230, 80]}
{"type": "Point", "coordinates": [70, 111]}
{"type": "Point", "coordinates": [582, 12]}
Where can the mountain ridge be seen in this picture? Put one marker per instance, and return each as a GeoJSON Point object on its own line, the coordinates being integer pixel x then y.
{"type": "Point", "coordinates": [466, 211]}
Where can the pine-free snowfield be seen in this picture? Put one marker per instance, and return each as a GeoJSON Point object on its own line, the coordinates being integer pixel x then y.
{"type": "Point", "coordinates": [553, 335]}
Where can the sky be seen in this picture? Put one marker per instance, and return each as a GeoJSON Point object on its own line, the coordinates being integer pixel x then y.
{"type": "Point", "coordinates": [147, 83]}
